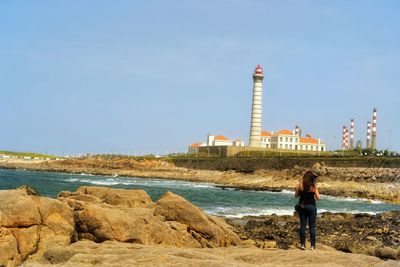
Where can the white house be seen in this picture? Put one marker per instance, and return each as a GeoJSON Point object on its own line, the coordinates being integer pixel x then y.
{"type": "Point", "coordinates": [290, 140]}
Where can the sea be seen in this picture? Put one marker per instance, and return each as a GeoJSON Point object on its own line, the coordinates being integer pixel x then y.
{"type": "Point", "coordinates": [211, 198]}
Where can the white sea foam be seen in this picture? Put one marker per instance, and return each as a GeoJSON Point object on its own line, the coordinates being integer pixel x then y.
{"type": "Point", "coordinates": [351, 199]}
{"type": "Point", "coordinates": [287, 192]}
{"type": "Point", "coordinates": [239, 212]}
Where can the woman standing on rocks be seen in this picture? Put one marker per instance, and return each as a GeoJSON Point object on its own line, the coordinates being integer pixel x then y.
{"type": "Point", "coordinates": [308, 192]}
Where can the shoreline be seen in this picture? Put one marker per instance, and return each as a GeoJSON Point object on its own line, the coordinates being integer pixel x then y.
{"type": "Point", "coordinates": [265, 180]}
{"type": "Point", "coordinates": [371, 235]}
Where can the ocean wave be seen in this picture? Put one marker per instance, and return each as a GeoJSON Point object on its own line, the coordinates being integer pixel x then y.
{"type": "Point", "coordinates": [238, 212]}
{"type": "Point", "coordinates": [352, 199]}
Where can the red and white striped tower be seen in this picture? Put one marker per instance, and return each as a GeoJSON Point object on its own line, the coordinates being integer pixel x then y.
{"type": "Point", "coordinates": [344, 138]}
{"type": "Point", "coordinates": [368, 145]}
{"type": "Point", "coordinates": [373, 145]}
{"type": "Point", "coordinates": [352, 134]}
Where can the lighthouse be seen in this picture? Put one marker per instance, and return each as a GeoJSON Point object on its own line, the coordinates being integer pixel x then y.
{"type": "Point", "coordinates": [256, 108]}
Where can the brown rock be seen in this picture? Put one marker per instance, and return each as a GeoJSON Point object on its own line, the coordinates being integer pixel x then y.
{"type": "Point", "coordinates": [118, 197]}
{"type": "Point", "coordinates": [27, 240]}
{"type": "Point", "coordinates": [137, 225]}
{"type": "Point", "coordinates": [31, 223]}
{"type": "Point", "coordinates": [176, 208]}
{"type": "Point", "coordinates": [9, 255]}
{"type": "Point", "coordinates": [389, 253]}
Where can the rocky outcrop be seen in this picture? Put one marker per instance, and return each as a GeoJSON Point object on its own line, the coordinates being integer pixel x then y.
{"type": "Point", "coordinates": [112, 253]}
{"type": "Point", "coordinates": [209, 231]}
{"type": "Point", "coordinates": [32, 227]}
{"type": "Point", "coordinates": [29, 224]}
{"type": "Point", "coordinates": [130, 216]}
{"type": "Point", "coordinates": [377, 235]}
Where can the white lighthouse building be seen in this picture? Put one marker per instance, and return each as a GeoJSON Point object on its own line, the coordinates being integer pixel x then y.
{"type": "Point", "coordinates": [256, 110]}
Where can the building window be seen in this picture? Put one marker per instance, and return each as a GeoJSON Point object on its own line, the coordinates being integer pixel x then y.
{"type": "Point", "coordinates": [291, 139]}
{"type": "Point", "coordinates": [286, 146]}
{"type": "Point", "coordinates": [296, 140]}
{"type": "Point", "coordinates": [290, 146]}
{"type": "Point", "coordinates": [286, 139]}
{"type": "Point", "coordinates": [281, 138]}
{"type": "Point", "coordinates": [280, 145]}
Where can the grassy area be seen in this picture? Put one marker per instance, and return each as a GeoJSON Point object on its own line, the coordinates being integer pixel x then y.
{"type": "Point", "coordinates": [26, 154]}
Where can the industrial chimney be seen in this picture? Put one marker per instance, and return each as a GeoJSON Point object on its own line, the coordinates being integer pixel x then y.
{"type": "Point", "coordinates": [352, 134]}
{"type": "Point", "coordinates": [373, 145]}
{"type": "Point", "coordinates": [368, 144]}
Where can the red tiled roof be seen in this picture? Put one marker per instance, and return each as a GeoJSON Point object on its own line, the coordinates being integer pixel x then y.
{"type": "Point", "coordinates": [221, 137]}
{"type": "Point", "coordinates": [286, 132]}
{"type": "Point", "coordinates": [308, 140]}
{"type": "Point", "coordinates": [195, 144]}
{"type": "Point", "coordinates": [265, 133]}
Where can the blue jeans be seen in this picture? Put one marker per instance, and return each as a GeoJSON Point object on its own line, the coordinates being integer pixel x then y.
{"type": "Point", "coordinates": [309, 213]}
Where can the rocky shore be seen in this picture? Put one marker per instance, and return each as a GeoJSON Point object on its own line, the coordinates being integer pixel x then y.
{"type": "Point", "coordinates": [371, 183]}
{"type": "Point", "coordinates": [115, 227]}
{"type": "Point", "coordinates": [377, 235]}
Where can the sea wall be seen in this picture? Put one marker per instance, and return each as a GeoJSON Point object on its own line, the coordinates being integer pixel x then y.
{"type": "Point", "coordinates": [249, 165]}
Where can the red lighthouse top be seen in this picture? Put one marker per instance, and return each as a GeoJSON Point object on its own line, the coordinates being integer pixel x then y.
{"type": "Point", "coordinates": [258, 70]}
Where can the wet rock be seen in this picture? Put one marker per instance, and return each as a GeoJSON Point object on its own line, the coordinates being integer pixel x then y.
{"type": "Point", "coordinates": [358, 233]}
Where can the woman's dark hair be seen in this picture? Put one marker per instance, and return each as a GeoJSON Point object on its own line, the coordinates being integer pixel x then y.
{"type": "Point", "coordinates": [309, 179]}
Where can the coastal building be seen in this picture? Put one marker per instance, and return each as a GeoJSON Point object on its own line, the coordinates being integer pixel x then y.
{"type": "Point", "coordinates": [259, 140]}
{"type": "Point", "coordinates": [280, 140]}
{"type": "Point", "coordinates": [215, 141]}
{"type": "Point", "coordinates": [194, 148]}
{"type": "Point", "coordinates": [220, 140]}
{"type": "Point", "coordinates": [291, 140]}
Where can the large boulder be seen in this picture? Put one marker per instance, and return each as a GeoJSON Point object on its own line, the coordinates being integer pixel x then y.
{"type": "Point", "coordinates": [208, 230]}
{"type": "Point", "coordinates": [117, 197]}
{"type": "Point", "coordinates": [29, 224]}
{"type": "Point", "coordinates": [130, 216]}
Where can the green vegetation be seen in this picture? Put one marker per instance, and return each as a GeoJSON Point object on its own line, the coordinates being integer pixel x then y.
{"type": "Point", "coordinates": [26, 154]}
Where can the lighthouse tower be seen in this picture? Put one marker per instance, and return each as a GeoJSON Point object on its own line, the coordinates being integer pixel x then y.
{"type": "Point", "coordinates": [256, 109]}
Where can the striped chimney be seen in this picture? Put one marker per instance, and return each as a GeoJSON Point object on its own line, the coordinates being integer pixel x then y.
{"type": "Point", "coordinates": [368, 134]}
{"type": "Point", "coordinates": [373, 145]}
{"type": "Point", "coordinates": [256, 109]}
{"type": "Point", "coordinates": [352, 134]}
{"type": "Point", "coordinates": [344, 138]}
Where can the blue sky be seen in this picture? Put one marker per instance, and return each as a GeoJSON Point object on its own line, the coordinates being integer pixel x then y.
{"type": "Point", "coordinates": [119, 76]}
